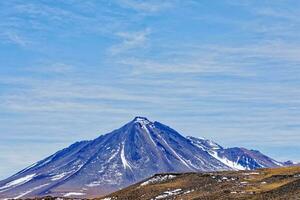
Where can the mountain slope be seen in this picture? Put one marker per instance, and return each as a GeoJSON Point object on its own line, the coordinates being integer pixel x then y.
{"type": "Point", "coordinates": [127, 155]}
{"type": "Point", "coordinates": [236, 158]}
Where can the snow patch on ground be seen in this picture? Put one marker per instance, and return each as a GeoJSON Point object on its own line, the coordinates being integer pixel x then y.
{"type": "Point", "coordinates": [158, 179]}
{"type": "Point", "coordinates": [94, 184]}
{"type": "Point", "coordinates": [188, 191]}
{"type": "Point", "coordinates": [73, 194]}
{"type": "Point", "coordinates": [167, 194]}
{"type": "Point", "coordinates": [251, 173]}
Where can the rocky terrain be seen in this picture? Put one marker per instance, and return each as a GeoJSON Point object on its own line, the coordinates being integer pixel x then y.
{"type": "Point", "coordinates": [261, 184]}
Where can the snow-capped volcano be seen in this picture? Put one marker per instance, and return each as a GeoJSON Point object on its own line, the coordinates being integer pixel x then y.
{"type": "Point", "coordinates": [112, 161]}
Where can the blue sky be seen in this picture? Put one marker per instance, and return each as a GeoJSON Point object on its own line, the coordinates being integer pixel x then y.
{"type": "Point", "coordinates": [72, 70]}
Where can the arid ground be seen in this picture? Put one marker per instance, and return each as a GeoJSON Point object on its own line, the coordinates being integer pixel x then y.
{"type": "Point", "coordinates": [279, 183]}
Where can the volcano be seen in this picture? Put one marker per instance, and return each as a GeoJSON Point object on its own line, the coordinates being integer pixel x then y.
{"type": "Point", "coordinates": [137, 150]}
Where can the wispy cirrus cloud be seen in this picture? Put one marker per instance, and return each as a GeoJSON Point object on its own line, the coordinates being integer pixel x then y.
{"type": "Point", "coordinates": [130, 41]}
{"type": "Point", "coordinates": [226, 70]}
{"type": "Point", "coordinates": [14, 38]}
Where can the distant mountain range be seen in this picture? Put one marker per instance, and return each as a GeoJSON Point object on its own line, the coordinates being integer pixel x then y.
{"type": "Point", "coordinates": [127, 155]}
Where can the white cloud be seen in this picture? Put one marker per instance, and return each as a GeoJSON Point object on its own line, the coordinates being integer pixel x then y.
{"type": "Point", "coordinates": [14, 38]}
{"type": "Point", "coordinates": [130, 41]}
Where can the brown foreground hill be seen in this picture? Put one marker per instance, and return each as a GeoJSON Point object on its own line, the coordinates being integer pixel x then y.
{"type": "Point", "coordinates": [262, 184]}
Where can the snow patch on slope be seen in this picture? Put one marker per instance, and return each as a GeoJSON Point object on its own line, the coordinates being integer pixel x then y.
{"type": "Point", "coordinates": [17, 182]}
{"type": "Point", "coordinates": [277, 163]}
{"type": "Point", "coordinates": [58, 176]}
{"type": "Point", "coordinates": [149, 134]}
{"type": "Point", "coordinates": [224, 160]}
{"type": "Point", "coordinates": [174, 152]}
{"type": "Point", "coordinates": [213, 152]}
{"type": "Point", "coordinates": [123, 158]}
{"type": "Point", "coordinates": [114, 154]}
{"type": "Point", "coordinates": [142, 120]}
